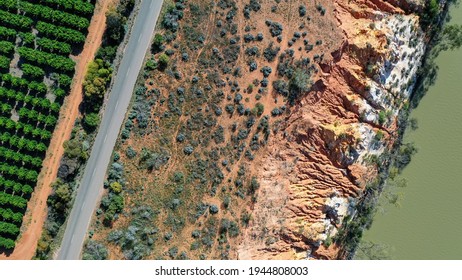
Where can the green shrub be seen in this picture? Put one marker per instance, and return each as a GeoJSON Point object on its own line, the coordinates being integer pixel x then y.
{"type": "Point", "coordinates": [163, 61]}
{"type": "Point", "coordinates": [157, 43]}
{"type": "Point", "coordinates": [95, 251]}
{"type": "Point", "coordinates": [91, 121]}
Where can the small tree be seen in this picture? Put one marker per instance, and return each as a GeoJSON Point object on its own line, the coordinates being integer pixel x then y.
{"type": "Point", "coordinates": [163, 61]}
{"type": "Point", "coordinates": [157, 44]}
{"type": "Point", "coordinates": [259, 109]}
{"type": "Point", "coordinates": [299, 84]}
{"type": "Point", "coordinates": [91, 121]}
{"type": "Point", "coordinates": [432, 9]}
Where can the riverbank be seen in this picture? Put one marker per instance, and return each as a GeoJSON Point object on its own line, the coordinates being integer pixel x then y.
{"type": "Point", "coordinates": [425, 226]}
{"type": "Point", "coordinates": [400, 154]}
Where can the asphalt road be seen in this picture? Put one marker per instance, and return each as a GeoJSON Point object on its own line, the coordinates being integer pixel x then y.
{"type": "Point", "coordinates": [91, 187]}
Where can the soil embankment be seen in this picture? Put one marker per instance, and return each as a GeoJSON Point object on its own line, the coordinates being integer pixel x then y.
{"type": "Point", "coordinates": [319, 164]}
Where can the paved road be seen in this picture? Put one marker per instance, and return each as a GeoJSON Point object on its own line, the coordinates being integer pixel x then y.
{"type": "Point", "coordinates": [91, 187]}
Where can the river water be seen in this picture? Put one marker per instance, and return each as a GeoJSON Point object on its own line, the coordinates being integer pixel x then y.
{"type": "Point", "coordinates": [428, 225]}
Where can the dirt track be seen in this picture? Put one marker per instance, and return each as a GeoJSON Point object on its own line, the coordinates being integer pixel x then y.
{"type": "Point", "coordinates": [37, 207]}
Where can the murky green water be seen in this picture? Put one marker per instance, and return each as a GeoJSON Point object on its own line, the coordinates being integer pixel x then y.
{"type": "Point", "coordinates": [429, 223]}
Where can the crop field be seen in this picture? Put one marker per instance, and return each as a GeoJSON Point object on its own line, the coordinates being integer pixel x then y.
{"type": "Point", "coordinates": [38, 40]}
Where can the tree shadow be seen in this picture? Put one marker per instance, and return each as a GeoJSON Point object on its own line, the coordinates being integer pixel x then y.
{"type": "Point", "coordinates": [7, 252]}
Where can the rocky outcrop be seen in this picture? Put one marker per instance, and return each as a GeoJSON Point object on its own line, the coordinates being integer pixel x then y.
{"type": "Point", "coordinates": [319, 164]}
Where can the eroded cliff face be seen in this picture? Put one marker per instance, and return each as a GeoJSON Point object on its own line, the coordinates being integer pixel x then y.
{"type": "Point", "coordinates": [318, 165]}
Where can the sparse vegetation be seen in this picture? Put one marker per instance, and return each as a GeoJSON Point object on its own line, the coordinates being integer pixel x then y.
{"type": "Point", "coordinates": [214, 91]}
